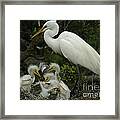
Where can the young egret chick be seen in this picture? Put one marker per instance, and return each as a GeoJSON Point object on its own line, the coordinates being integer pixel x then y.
{"type": "Point", "coordinates": [54, 68]}
{"type": "Point", "coordinates": [51, 84]}
{"type": "Point", "coordinates": [27, 80]}
{"type": "Point", "coordinates": [64, 91]}
{"type": "Point", "coordinates": [33, 70]}
{"type": "Point", "coordinates": [50, 81]}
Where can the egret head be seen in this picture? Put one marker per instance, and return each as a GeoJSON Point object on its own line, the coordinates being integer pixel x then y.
{"type": "Point", "coordinates": [49, 76]}
{"type": "Point", "coordinates": [53, 67]}
{"type": "Point", "coordinates": [33, 70]}
{"type": "Point", "coordinates": [49, 25]}
{"type": "Point", "coordinates": [43, 67]}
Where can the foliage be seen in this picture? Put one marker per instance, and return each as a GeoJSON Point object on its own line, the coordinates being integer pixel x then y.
{"type": "Point", "coordinates": [69, 74]}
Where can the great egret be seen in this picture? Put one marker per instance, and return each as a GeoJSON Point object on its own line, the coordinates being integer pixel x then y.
{"type": "Point", "coordinates": [71, 46]}
{"type": "Point", "coordinates": [27, 80]}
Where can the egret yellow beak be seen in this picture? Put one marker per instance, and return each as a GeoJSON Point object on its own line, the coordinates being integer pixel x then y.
{"type": "Point", "coordinates": [36, 73]}
{"type": "Point", "coordinates": [43, 29]}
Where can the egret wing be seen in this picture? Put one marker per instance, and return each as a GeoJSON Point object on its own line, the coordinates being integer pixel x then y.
{"type": "Point", "coordinates": [79, 52]}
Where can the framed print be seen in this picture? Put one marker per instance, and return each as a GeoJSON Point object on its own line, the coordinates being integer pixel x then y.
{"type": "Point", "coordinates": [60, 59]}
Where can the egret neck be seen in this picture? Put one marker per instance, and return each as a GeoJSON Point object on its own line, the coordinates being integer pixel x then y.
{"type": "Point", "coordinates": [51, 42]}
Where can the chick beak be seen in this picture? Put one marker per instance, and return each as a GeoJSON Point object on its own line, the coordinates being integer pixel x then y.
{"type": "Point", "coordinates": [37, 73]}
{"type": "Point", "coordinates": [43, 29]}
{"type": "Point", "coordinates": [49, 69]}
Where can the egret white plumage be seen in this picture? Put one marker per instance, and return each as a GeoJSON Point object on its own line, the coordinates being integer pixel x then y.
{"type": "Point", "coordinates": [71, 46]}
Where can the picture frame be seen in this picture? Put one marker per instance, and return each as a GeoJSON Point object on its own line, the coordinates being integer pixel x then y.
{"type": "Point", "coordinates": [3, 66]}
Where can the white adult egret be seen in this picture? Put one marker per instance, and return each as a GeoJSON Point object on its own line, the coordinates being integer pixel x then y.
{"type": "Point", "coordinates": [27, 80]}
{"type": "Point", "coordinates": [71, 46]}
